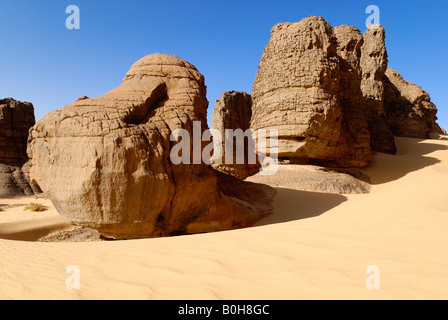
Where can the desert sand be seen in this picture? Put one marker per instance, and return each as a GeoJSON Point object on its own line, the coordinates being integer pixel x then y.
{"type": "Point", "coordinates": [315, 246]}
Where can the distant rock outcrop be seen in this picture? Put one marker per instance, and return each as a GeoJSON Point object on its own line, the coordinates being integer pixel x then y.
{"type": "Point", "coordinates": [16, 118]}
{"type": "Point", "coordinates": [410, 112]}
{"type": "Point", "coordinates": [233, 112]}
{"type": "Point", "coordinates": [105, 162]}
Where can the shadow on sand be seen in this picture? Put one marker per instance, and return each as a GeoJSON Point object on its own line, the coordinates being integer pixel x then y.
{"type": "Point", "coordinates": [31, 230]}
{"type": "Point", "coordinates": [410, 157]}
{"type": "Point", "coordinates": [291, 205]}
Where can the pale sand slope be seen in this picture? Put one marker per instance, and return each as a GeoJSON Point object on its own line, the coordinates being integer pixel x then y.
{"type": "Point", "coordinates": [401, 227]}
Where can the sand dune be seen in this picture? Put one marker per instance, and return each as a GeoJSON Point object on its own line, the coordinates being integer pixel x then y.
{"type": "Point", "coordinates": [316, 246]}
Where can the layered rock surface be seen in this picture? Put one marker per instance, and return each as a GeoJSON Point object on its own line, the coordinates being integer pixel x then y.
{"type": "Point", "coordinates": [16, 118]}
{"type": "Point", "coordinates": [330, 95]}
{"type": "Point", "coordinates": [374, 61]}
{"type": "Point", "coordinates": [105, 162]}
{"type": "Point", "coordinates": [233, 112]}
{"type": "Point", "coordinates": [410, 112]}
{"type": "Point", "coordinates": [300, 90]}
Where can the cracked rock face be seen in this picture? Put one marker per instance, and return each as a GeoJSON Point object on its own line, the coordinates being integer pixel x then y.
{"type": "Point", "coordinates": [16, 118]}
{"type": "Point", "coordinates": [105, 161]}
{"type": "Point", "coordinates": [301, 91]}
{"type": "Point", "coordinates": [330, 95]}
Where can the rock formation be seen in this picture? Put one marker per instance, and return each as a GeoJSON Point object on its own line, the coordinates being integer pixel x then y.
{"type": "Point", "coordinates": [233, 112]}
{"type": "Point", "coordinates": [334, 102]}
{"type": "Point", "coordinates": [373, 67]}
{"type": "Point", "coordinates": [16, 118]}
{"type": "Point", "coordinates": [352, 99]}
{"type": "Point", "coordinates": [105, 162]}
{"type": "Point", "coordinates": [300, 90]}
{"type": "Point", "coordinates": [328, 93]}
{"type": "Point", "coordinates": [410, 112]}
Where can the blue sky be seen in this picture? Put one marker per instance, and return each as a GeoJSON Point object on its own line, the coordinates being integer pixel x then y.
{"type": "Point", "coordinates": [43, 62]}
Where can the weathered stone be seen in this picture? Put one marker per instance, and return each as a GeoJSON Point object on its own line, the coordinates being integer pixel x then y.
{"type": "Point", "coordinates": [374, 62]}
{"type": "Point", "coordinates": [105, 162]}
{"type": "Point", "coordinates": [350, 42]}
{"type": "Point", "coordinates": [410, 112]}
{"type": "Point", "coordinates": [16, 118]}
{"type": "Point", "coordinates": [301, 91]}
{"type": "Point", "coordinates": [313, 178]}
{"type": "Point", "coordinates": [355, 125]}
{"type": "Point", "coordinates": [233, 112]}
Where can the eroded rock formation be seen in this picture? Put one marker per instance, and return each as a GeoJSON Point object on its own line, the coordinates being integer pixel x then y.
{"type": "Point", "coordinates": [233, 112]}
{"type": "Point", "coordinates": [374, 62]}
{"type": "Point", "coordinates": [16, 118]}
{"type": "Point", "coordinates": [328, 93]}
{"type": "Point", "coordinates": [105, 162]}
{"type": "Point", "coordinates": [301, 91]}
{"type": "Point", "coordinates": [410, 112]}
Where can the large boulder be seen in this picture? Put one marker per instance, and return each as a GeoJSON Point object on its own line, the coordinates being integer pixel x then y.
{"type": "Point", "coordinates": [105, 162]}
{"type": "Point", "coordinates": [232, 113]}
{"type": "Point", "coordinates": [410, 112]}
{"type": "Point", "coordinates": [16, 119]}
{"type": "Point", "coordinates": [301, 90]}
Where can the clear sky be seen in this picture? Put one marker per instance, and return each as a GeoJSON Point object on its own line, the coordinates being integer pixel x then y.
{"type": "Point", "coordinates": [43, 62]}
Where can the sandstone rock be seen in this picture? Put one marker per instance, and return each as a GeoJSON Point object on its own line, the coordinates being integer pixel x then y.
{"type": "Point", "coordinates": [410, 112]}
{"type": "Point", "coordinates": [16, 118]}
{"type": "Point", "coordinates": [373, 64]}
{"type": "Point", "coordinates": [355, 126]}
{"type": "Point", "coordinates": [301, 91]}
{"type": "Point", "coordinates": [313, 178]}
{"type": "Point", "coordinates": [350, 42]}
{"type": "Point", "coordinates": [326, 91]}
{"type": "Point", "coordinates": [233, 112]}
{"type": "Point", "coordinates": [105, 162]}
{"type": "Point", "coordinates": [79, 234]}
{"type": "Point", "coordinates": [82, 98]}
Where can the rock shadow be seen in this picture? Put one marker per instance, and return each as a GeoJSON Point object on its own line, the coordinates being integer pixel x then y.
{"type": "Point", "coordinates": [31, 230]}
{"type": "Point", "coordinates": [292, 205]}
{"type": "Point", "coordinates": [411, 157]}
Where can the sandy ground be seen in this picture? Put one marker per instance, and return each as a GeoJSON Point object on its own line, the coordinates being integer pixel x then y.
{"type": "Point", "coordinates": [316, 246]}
